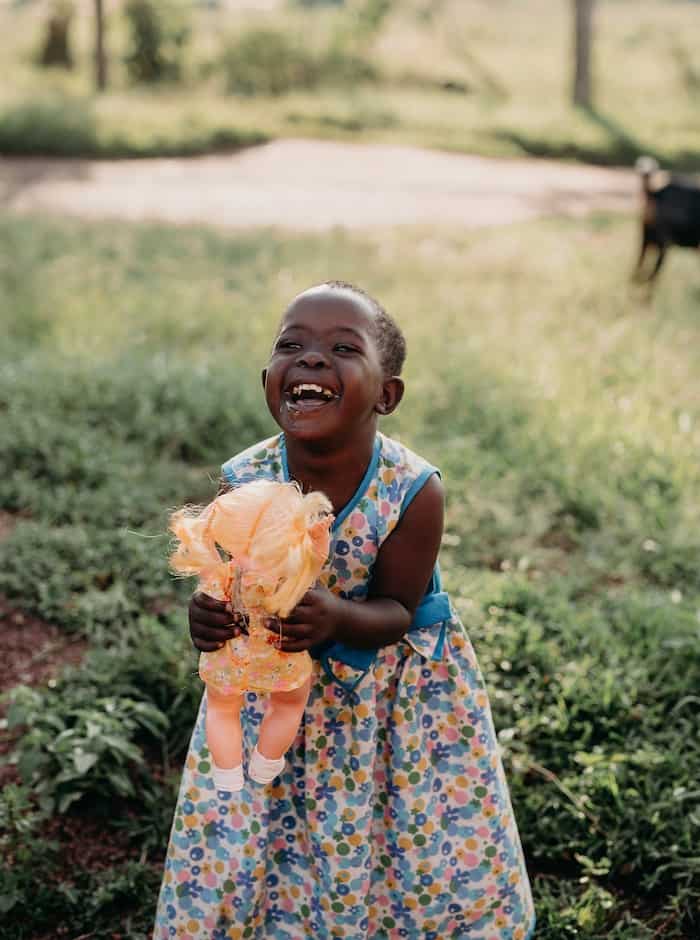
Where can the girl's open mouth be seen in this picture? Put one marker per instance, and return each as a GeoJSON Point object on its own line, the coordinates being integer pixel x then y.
{"type": "Point", "coordinates": [308, 396]}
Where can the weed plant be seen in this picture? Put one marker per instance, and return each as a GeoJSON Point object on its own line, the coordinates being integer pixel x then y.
{"type": "Point", "coordinates": [563, 412]}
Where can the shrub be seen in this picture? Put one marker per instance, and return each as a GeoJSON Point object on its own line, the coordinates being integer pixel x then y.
{"type": "Point", "coordinates": [267, 62]}
{"type": "Point", "coordinates": [49, 125]}
{"type": "Point", "coordinates": [77, 743]}
{"type": "Point", "coordinates": [158, 40]}
{"type": "Point", "coordinates": [271, 62]}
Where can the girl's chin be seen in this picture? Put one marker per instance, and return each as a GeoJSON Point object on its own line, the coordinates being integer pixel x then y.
{"type": "Point", "coordinates": [309, 417]}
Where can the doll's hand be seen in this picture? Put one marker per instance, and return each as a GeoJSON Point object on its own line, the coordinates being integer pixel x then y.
{"type": "Point", "coordinates": [313, 621]}
{"type": "Point", "coordinates": [212, 623]}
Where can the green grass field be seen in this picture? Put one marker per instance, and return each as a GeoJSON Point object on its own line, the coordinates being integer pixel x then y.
{"type": "Point", "coordinates": [564, 412]}
{"type": "Point", "coordinates": [464, 75]}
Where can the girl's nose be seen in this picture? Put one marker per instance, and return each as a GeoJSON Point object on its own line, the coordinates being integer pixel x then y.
{"type": "Point", "coordinates": [312, 359]}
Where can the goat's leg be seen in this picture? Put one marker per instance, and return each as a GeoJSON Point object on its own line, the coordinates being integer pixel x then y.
{"type": "Point", "coordinates": [663, 248]}
{"type": "Point", "coordinates": [637, 272]}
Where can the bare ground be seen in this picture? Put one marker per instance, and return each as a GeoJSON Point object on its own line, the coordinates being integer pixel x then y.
{"type": "Point", "coordinates": [314, 186]}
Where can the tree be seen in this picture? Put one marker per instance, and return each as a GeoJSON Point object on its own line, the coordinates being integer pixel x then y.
{"type": "Point", "coordinates": [56, 49]}
{"type": "Point", "coordinates": [583, 39]}
{"type": "Point", "coordinates": [100, 53]}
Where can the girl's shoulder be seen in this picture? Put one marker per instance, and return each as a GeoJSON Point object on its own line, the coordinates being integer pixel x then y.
{"type": "Point", "coordinates": [263, 460]}
{"type": "Point", "coordinates": [400, 476]}
{"type": "Point", "coordinates": [397, 462]}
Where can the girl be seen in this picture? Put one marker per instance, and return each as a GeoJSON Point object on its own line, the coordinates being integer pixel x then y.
{"type": "Point", "coordinates": [392, 818]}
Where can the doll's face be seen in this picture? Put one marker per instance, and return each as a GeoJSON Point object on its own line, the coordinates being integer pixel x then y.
{"type": "Point", "coordinates": [325, 378]}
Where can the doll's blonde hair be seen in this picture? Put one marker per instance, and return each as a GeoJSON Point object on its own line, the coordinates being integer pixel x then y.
{"type": "Point", "coordinates": [260, 544]}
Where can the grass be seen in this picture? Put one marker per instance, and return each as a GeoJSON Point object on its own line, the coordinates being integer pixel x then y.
{"type": "Point", "coordinates": [564, 413]}
{"type": "Point", "coordinates": [462, 75]}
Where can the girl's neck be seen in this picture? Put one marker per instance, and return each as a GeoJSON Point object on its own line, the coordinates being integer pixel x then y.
{"type": "Point", "coordinates": [336, 469]}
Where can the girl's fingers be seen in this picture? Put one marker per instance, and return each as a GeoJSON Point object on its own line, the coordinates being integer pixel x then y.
{"type": "Point", "coordinates": [295, 646]}
{"type": "Point", "coordinates": [296, 631]}
{"type": "Point", "coordinates": [209, 634]}
{"type": "Point", "coordinates": [204, 647]}
{"type": "Point", "coordinates": [200, 599]}
{"type": "Point", "coordinates": [216, 621]}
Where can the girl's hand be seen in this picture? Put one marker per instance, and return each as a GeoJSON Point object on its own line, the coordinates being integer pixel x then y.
{"type": "Point", "coordinates": [312, 622]}
{"type": "Point", "coordinates": [212, 623]}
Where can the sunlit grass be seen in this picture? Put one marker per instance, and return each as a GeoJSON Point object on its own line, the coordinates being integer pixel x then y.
{"type": "Point", "coordinates": [563, 408]}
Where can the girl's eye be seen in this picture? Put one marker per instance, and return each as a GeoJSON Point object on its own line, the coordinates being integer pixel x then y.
{"type": "Point", "coordinates": [344, 348]}
{"type": "Point", "coordinates": [287, 344]}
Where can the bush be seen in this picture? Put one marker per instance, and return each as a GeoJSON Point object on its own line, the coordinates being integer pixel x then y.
{"type": "Point", "coordinates": [267, 62]}
{"type": "Point", "coordinates": [271, 62]}
{"type": "Point", "coordinates": [78, 744]}
{"type": "Point", "coordinates": [158, 40]}
{"type": "Point", "coordinates": [50, 125]}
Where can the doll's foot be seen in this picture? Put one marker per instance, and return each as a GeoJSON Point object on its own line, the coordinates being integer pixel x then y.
{"type": "Point", "coordinates": [229, 779]}
{"type": "Point", "coordinates": [263, 769]}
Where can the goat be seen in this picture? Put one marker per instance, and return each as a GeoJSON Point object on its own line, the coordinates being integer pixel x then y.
{"type": "Point", "coordinates": [670, 214]}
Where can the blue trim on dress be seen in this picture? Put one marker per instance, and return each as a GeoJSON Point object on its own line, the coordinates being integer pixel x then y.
{"type": "Point", "coordinates": [359, 492]}
{"type": "Point", "coordinates": [416, 487]}
{"type": "Point", "coordinates": [229, 474]}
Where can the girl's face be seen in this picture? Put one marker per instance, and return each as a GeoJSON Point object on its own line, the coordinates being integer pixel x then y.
{"type": "Point", "coordinates": [325, 378]}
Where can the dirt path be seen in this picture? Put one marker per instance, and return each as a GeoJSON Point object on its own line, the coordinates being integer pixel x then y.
{"type": "Point", "coordinates": [315, 185]}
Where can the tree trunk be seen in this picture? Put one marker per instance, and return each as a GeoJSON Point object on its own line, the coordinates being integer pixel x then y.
{"type": "Point", "coordinates": [583, 38]}
{"type": "Point", "coordinates": [100, 55]}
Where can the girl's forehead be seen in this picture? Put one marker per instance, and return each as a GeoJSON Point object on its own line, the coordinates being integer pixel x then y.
{"type": "Point", "coordinates": [329, 311]}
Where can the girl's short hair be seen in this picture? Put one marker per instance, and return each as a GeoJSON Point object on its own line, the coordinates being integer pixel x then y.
{"type": "Point", "coordinates": [391, 342]}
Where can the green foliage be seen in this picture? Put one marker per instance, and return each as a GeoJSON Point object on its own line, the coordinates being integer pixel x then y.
{"type": "Point", "coordinates": [48, 124]}
{"type": "Point", "coordinates": [267, 61]}
{"type": "Point", "coordinates": [372, 14]}
{"type": "Point", "coordinates": [106, 904]}
{"type": "Point", "coordinates": [570, 548]}
{"type": "Point", "coordinates": [451, 77]}
{"type": "Point", "coordinates": [77, 743]}
{"type": "Point", "coordinates": [25, 857]}
{"type": "Point", "coordinates": [70, 126]}
{"type": "Point", "coordinates": [158, 39]}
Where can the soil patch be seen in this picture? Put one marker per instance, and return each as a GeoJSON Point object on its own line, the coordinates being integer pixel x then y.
{"type": "Point", "coordinates": [33, 651]}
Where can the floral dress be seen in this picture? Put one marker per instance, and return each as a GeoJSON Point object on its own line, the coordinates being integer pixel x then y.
{"type": "Point", "coordinates": [392, 817]}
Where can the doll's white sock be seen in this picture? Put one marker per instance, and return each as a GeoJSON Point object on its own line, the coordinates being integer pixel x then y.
{"type": "Point", "coordinates": [230, 779]}
{"type": "Point", "coordinates": [263, 769]}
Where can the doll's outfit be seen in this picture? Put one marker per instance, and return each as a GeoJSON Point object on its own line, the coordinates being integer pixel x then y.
{"type": "Point", "coordinates": [392, 818]}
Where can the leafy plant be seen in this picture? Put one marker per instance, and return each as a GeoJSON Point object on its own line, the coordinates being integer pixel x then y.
{"type": "Point", "coordinates": [24, 854]}
{"type": "Point", "coordinates": [75, 744]}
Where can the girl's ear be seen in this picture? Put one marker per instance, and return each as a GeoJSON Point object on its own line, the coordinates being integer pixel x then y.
{"type": "Point", "coordinates": [392, 393]}
{"type": "Point", "coordinates": [263, 376]}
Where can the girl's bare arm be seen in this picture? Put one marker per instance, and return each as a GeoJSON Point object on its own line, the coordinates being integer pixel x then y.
{"type": "Point", "coordinates": [400, 577]}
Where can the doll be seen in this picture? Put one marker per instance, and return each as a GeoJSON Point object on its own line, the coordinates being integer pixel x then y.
{"type": "Point", "coordinates": [259, 547]}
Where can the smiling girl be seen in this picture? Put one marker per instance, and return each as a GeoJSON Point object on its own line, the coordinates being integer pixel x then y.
{"type": "Point", "coordinates": [392, 817]}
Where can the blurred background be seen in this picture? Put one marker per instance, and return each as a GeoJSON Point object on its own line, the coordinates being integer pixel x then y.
{"type": "Point", "coordinates": [171, 175]}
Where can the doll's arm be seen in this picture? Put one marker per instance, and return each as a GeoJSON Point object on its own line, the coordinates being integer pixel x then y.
{"type": "Point", "coordinates": [401, 575]}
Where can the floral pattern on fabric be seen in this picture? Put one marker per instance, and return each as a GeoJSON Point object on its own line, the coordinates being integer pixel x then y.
{"type": "Point", "coordinates": [392, 818]}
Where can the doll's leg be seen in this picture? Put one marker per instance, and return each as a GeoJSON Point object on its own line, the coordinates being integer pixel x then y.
{"type": "Point", "coordinates": [279, 728]}
{"type": "Point", "coordinates": [223, 728]}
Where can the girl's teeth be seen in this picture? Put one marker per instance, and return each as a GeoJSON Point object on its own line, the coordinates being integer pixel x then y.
{"type": "Point", "coordinates": [307, 387]}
